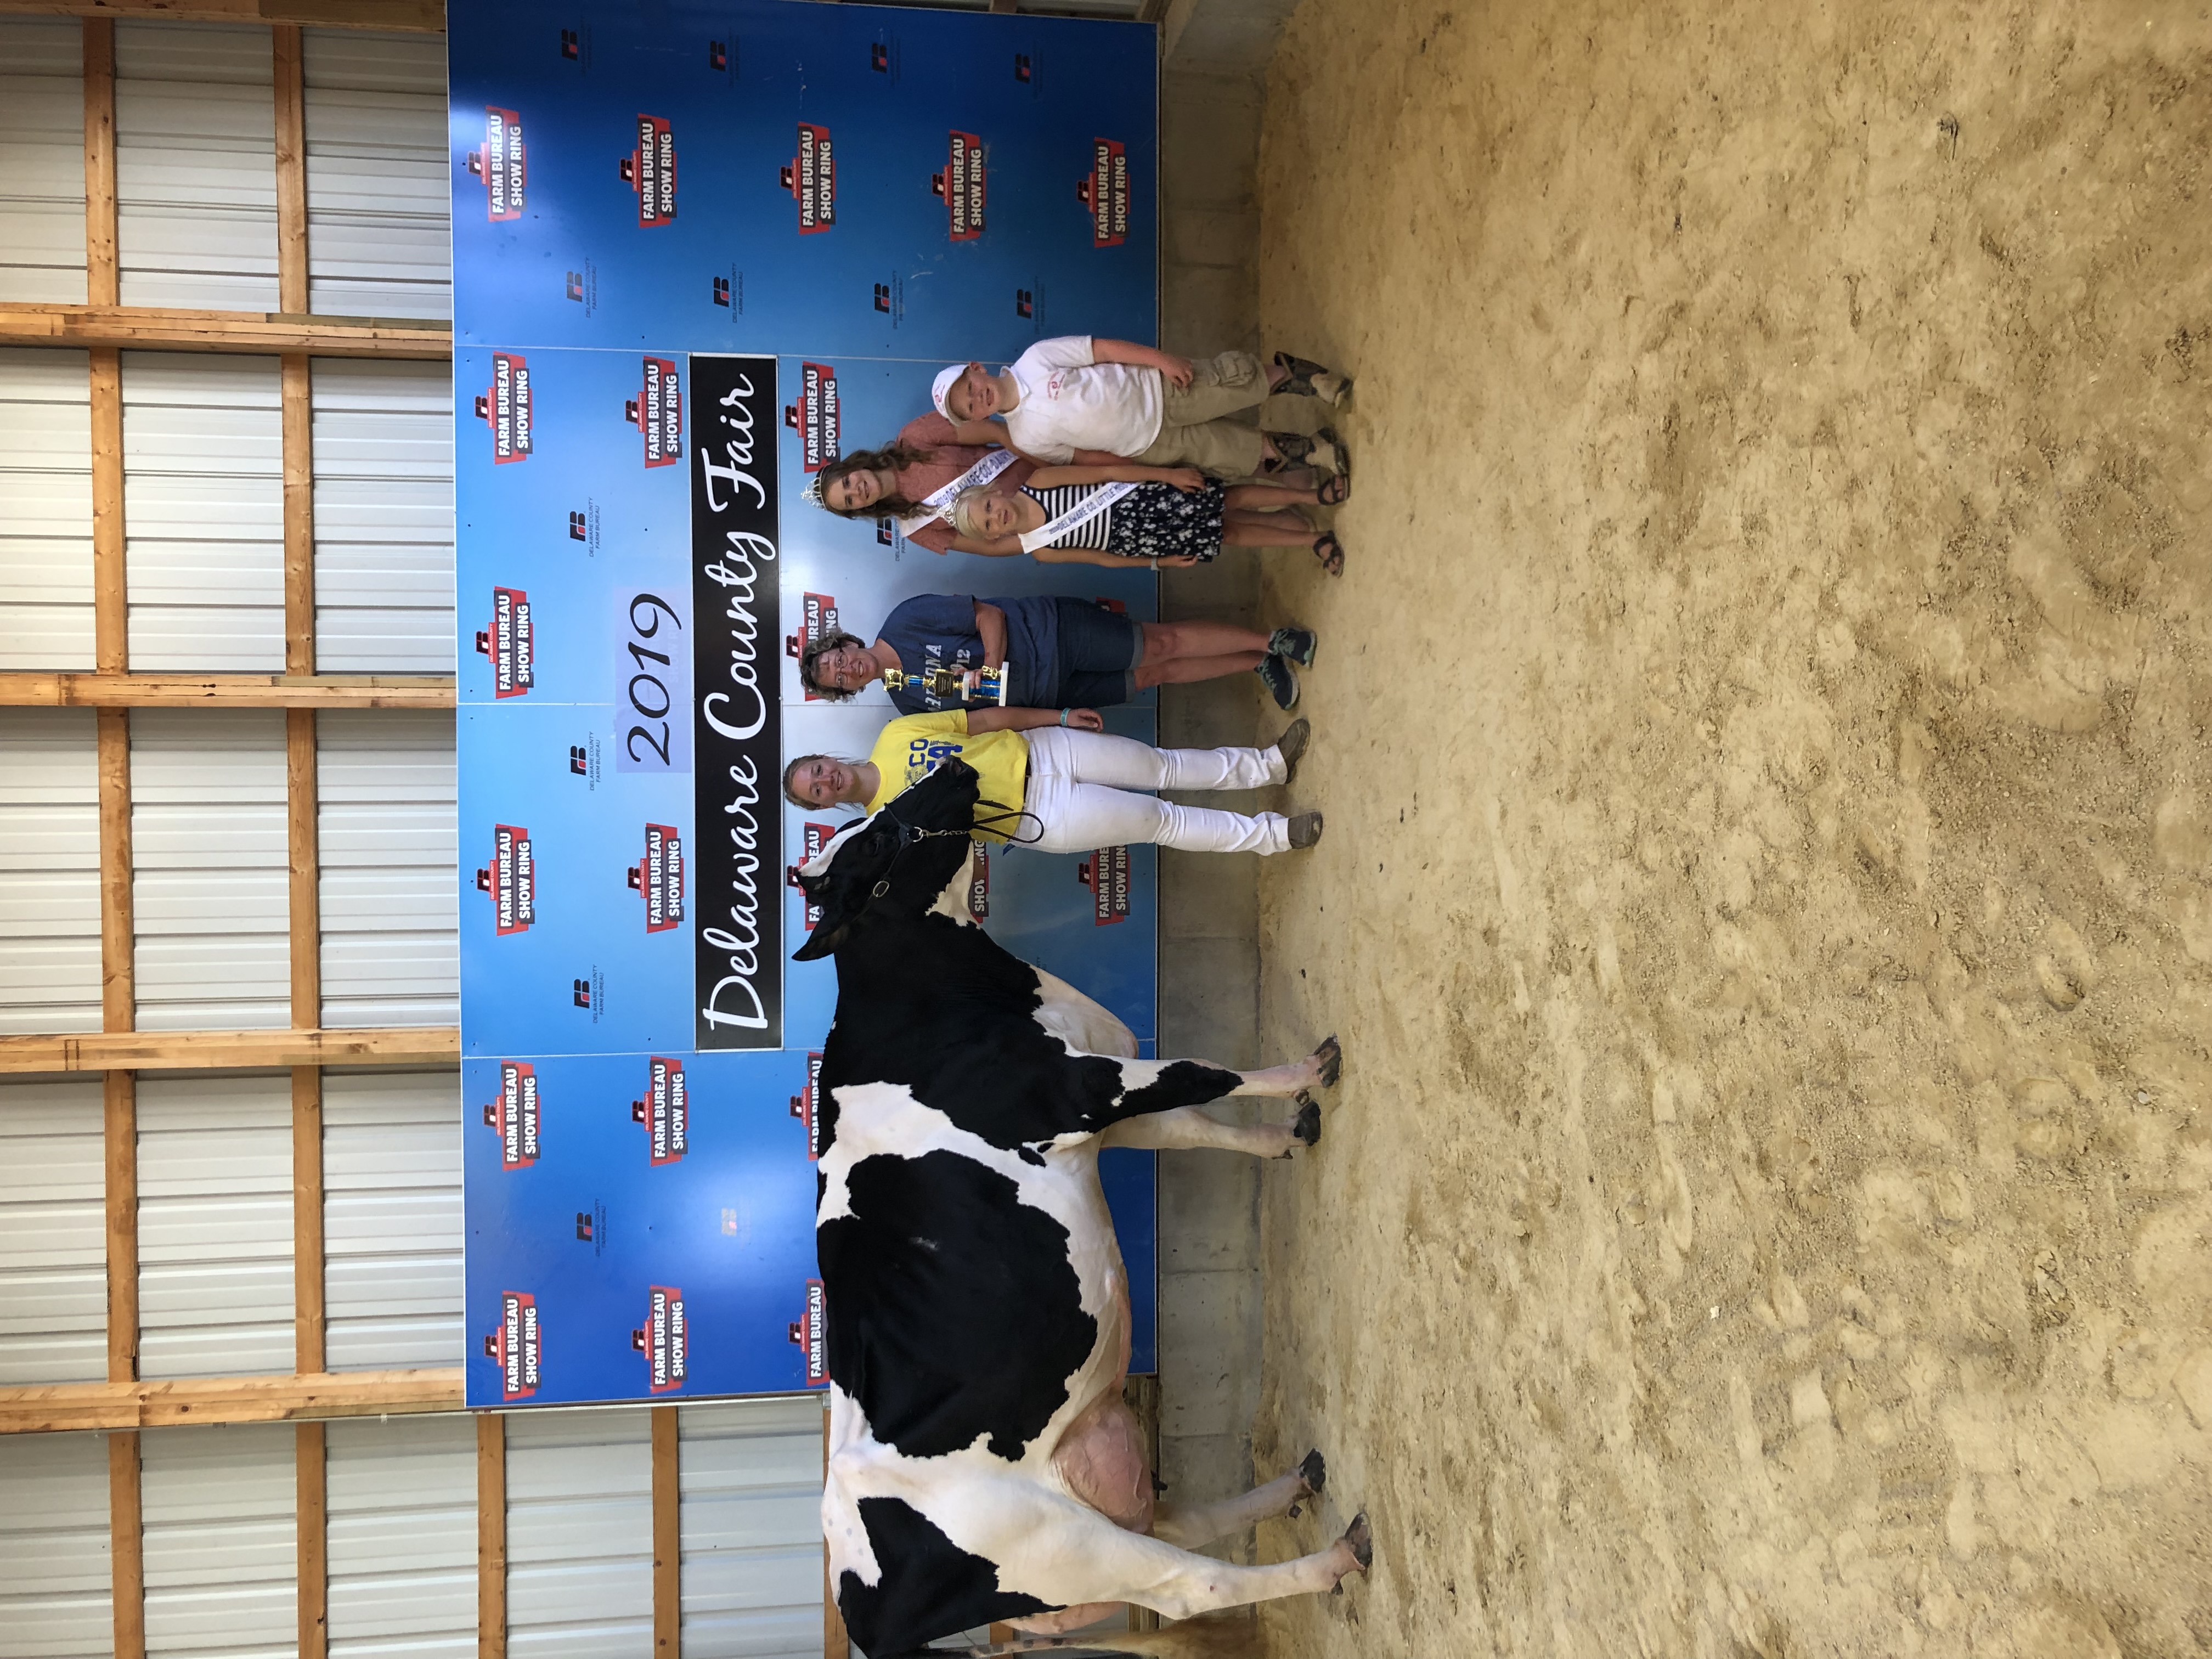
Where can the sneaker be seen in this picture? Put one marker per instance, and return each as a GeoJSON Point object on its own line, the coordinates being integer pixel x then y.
{"type": "Point", "coordinates": [1292, 745]}
{"type": "Point", "coordinates": [1275, 674]}
{"type": "Point", "coordinates": [1297, 644]}
{"type": "Point", "coordinates": [1306, 830]}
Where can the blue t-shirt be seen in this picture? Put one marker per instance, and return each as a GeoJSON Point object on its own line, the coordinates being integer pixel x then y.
{"type": "Point", "coordinates": [934, 630]}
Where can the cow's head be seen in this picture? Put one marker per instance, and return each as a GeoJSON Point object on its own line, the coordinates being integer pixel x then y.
{"type": "Point", "coordinates": [897, 863]}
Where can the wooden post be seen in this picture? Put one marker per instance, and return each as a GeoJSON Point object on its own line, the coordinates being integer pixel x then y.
{"type": "Point", "coordinates": [126, 1545]}
{"type": "Point", "coordinates": [102, 286]}
{"type": "Point", "coordinates": [110, 599]}
{"type": "Point", "coordinates": [291, 170]}
{"type": "Point", "coordinates": [121, 1119]}
{"type": "Point", "coordinates": [308, 1340]}
{"type": "Point", "coordinates": [313, 1511]}
{"type": "Point", "coordinates": [491, 1535]}
{"type": "Point", "coordinates": [667, 1535]}
{"type": "Point", "coordinates": [299, 463]}
{"type": "Point", "coordinates": [303, 854]}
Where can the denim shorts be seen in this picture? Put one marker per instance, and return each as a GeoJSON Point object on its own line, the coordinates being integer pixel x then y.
{"type": "Point", "coordinates": [1099, 651]}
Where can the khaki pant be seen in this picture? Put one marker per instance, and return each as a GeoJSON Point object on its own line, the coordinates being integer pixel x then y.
{"type": "Point", "coordinates": [1195, 428]}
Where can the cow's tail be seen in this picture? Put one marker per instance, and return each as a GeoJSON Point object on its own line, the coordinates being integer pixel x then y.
{"type": "Point", "coordinates": [1230, 1635]}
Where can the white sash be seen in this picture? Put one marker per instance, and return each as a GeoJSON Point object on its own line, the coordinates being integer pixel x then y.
{"type": "Point", "coordinates": [938, 503]}
{"type": "Point", "coordinates": [1101, 497]}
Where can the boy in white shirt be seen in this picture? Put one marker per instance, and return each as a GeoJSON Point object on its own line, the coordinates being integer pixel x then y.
{"type": "Point", "coordinates": [1086, 401]}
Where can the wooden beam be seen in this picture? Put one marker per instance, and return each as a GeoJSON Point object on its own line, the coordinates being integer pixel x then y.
{"type": "Point", "coordinates": [119, 993]}
{"type": "Point", "coordinates": [38, 689]}
{"type": "Point", "coordinates": [303, 857]}
{"type": "Point", "coordinates": [121, 1134]}
{"type": "Point", "coordinates": [126, 1545]}
{"type": "Point", "coordinates": [836, 1644]}
{"type": "Point", "coordinates": [491, 1536]}
{"type": "Point", "coordinates": [289, 85]}
{"type": "Point", "coordinates": [101, 285]}
{"type": "Point", "coordinates": [667, 1536]}
{"type": "Point", "coordinates": [307, 1308]}
{"type": "Point", "coordinates": [51, 1406]}
{"type": "Point", "coordinates": [311, 1510]}
{"type": "Point", "coordinates": [110, 599]}
{"type": "Point", "coordinates": [264, 332]}
{"type": "Point", "coordinates": [298, 467]}
{"type": "Point", "coordinates": [107, 1051]}
{"type": "Point", "coordinates": [402, 16]}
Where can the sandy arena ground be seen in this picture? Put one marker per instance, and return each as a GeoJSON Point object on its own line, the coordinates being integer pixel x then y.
{"type": "Point", "coordinates": [1767, 898]}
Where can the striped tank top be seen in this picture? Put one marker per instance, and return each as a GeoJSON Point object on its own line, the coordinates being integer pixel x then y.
{"type": "Point", "coordinates": [1090, 533]}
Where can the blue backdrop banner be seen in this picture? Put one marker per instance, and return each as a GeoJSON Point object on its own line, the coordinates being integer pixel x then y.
{"type": "Point", "coordinates": [700, 250]}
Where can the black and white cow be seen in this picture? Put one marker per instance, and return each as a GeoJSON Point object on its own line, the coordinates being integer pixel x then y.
{"type": "Point", "coordinates": [982, 1466]}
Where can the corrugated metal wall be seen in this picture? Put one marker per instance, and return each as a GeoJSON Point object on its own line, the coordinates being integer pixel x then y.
{"type": "Point", "coordinates": [390, 941]}
{"type": "Point", "coordinates": [403, 1538]}
{"type": "Point", "coordinates": [53, 1234]}
{"type": "Point", "coordinates": [203, 511]}
{"type": "Point", "coordinates": [384, 517]}
{"type": "Point", "coordinates": [579, 1534]}
{"type": "Point", "coordinates": [214, 1223]}
{"type": "Point", "coordinates": [391, 1219]}
{"type": "Point", "coordinates": [751, 1524]}
{"type": "Point", "coordinates": [46, 508]}
{"type": "Point", "coordinates": [207, 826]}
{"type": "Point", "coordinates": [42, 136]}
{"type": "Point", "coordinates": [376, 188]}
{"type": "Point", "coordinates": [56, 1596]}
{"type": "Point", "coordinates": [221, 1542]}
{"type": "Point", "coordinates": [49, 871]}
{"type": "Point", "coordinates": [196, 166]}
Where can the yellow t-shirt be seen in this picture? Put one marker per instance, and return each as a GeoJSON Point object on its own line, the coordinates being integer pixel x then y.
{"type": "Point", "coordinates": [911, 746]}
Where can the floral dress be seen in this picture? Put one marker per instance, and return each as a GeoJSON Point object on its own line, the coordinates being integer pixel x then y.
{"type": "Point", "coordinates": [1152, 521]}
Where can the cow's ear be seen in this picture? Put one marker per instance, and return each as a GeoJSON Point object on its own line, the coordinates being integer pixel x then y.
{"type": "Point", "coordinates": [826, 937]}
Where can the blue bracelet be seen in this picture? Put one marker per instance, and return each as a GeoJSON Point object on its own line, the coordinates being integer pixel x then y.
{"type": "Point", "coordinates": [1063, 717]}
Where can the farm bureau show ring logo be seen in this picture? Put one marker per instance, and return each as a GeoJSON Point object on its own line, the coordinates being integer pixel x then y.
{"type": "Point", "coordinates": [814, 416]}
{"type": "Point", "coordinates": [515, 1347]}
{"type": "Point", "coordinates": [961, 185]}
{"type": "Point", "coordinates": [505, 407]}
{"type": "Point", "coordinates": [665, 1111]}
{"type": "Point", "coordinates": [650, 170]}
{"type": "Point", "coordinates": [1105, 191]}
{"type": "Point", "coordinates": [812, 178]}
{"type": "Point", "coordinates": [501, 163]}
{"type": "Point", "coordinates": [664, 1339]}
{"type": "Point", "coordinates": [514, 1115]}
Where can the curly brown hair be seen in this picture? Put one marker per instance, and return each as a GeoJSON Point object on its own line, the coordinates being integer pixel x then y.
{"type": "Point", "coordinates": [812, 654]}
{"type": "Point", "coordinates": [896, 457]}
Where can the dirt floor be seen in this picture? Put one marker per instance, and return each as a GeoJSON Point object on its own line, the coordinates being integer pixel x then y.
{"type": "Point", "coordinates": [1767, 895]}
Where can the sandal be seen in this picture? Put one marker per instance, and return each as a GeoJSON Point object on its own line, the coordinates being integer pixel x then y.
{"type": "Point", "coordinates": [1333, 490]}
{"type": "Point", "coordinates": [1309, 378]}
{"type": "Point", "coordinates": [1322, 450]}
{"type": "Point", "coordinates": [1330, 552]}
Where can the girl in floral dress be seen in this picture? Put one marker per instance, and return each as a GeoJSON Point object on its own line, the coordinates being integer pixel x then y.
{"type": "Point", "coordinates": [1109, 515]}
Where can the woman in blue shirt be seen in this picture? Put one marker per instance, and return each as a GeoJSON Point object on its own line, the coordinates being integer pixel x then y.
{"type": "Point", "coordinates": [1057, 652]}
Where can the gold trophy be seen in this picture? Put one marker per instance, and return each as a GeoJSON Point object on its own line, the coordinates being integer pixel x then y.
{"type": "Point", "coordinates": [950, 684]}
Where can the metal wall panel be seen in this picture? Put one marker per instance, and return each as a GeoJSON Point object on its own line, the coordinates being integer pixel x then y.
{"type": "Point", "coordinates": [203, 511]}
{"type": "Point", "coordinates": [221, 1542]}
{"type": "Point", "coordinates": [391, 930]}
{"type": "Point", "coordinates": [403, 1538]}
{"type": "Point", "coordinates": [42, 136]}
{"type": "Point", "coordinates": [214, 1223]}
{"type": "Point", "coordinates": [752, 1521]}
{"type": "Point", "coordinates": [378, 206]}
{"type": "Point", "coordinates": [384, 517]}
{"type": "Point", "coordinates": [207, 816]}
{"type": "Point", "coordinates": [54, 1232]}
{"type": "Point", "coordinates": [579, 1534]}
{"type": "Point", "coordinates": [196, 166]}
{"type": "Point", "coordinates": [46, 505]}
{"type": "Point", "coordinates": [391, 1219]}
{"type": "Point", "coordinates": [49, 870]}
{"type": "Point", "coordinates": [55, 1595]}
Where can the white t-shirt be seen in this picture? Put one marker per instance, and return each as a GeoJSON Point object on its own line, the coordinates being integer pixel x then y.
{"type": "Point", "coordinates": [1069, 402]}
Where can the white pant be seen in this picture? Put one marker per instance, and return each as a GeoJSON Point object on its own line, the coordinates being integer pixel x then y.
{"type": "Point", "coordinates": [1080, 784]}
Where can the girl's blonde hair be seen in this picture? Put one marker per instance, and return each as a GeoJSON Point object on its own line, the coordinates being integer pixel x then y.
{"type": "Point", "coordinates": [965, 506]}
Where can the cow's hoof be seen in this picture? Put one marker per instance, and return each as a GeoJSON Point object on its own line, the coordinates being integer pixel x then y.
{"type": "Point", "coordinates": [1331, 1056]}
{"type": "Point", "coordinates": [1361, 1537]}
{"type": "Point", "coordinates": [1306, 1125]}
{"type": "Point", "coordinates": [1314, 1472]}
